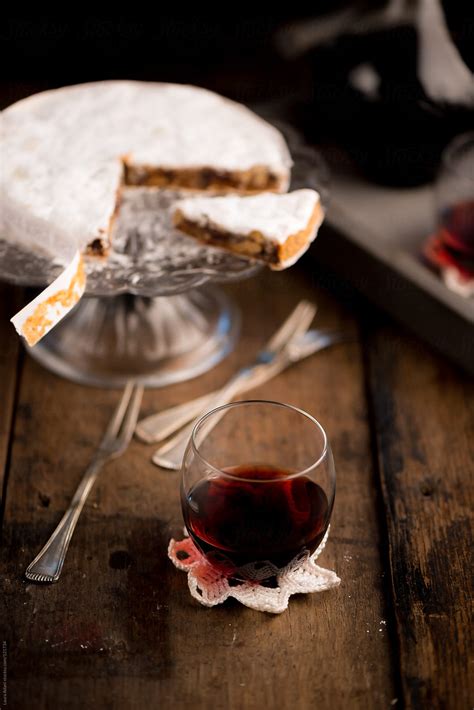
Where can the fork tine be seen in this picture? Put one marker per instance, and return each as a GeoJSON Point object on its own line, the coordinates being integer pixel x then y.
{"type": "Point", "coordinates": [299, 324]}
{"type": "Point", "coordinates": [285, 329]}
{"type": "Point", "coordinates": [300, 314]}
{"type": "Point", "coordinates": [321, 338]}
{"type": "Point", "coordinates": [305, 320]}
{"type": "Point", "coordinates": [131, 415]}
{"type": "Point", "coordinates": [117, 417]}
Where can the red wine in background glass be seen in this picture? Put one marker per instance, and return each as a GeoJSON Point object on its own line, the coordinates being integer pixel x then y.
{"type": "Point", "coordinates": [458, 224]}
{"type": "Point", "coordinates": [253, 516]}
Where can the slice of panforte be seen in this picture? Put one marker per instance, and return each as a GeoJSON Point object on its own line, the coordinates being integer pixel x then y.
{"type": "Point", "coordinates": [40, 315]}
{"type": "Point", "coordinates": [273, 228]}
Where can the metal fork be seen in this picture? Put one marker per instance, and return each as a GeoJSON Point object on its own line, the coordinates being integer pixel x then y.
{"type": "Point", "coordinates": [170, 455]}
{"type": "Point", "coordinates": [157, 427]}
{"type": "Point", "coordinates": [48, 564]}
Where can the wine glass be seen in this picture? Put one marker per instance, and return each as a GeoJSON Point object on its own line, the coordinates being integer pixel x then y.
{"type": "Point", "coordinates": [455, 197]}
{"type": "Point", "coordinates": [257, 489]}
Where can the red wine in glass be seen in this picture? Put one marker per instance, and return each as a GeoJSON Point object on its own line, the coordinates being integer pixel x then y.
{"type": "Point", "coordinates": [251, 521]}
{"type": "Point", "coordinates": [458, 223]}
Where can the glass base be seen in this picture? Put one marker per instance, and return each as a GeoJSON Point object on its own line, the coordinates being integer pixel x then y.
{"type": "Point", "coordinates": [156, 341]}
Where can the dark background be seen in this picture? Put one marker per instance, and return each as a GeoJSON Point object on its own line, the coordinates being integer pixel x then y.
{"type": "Point", "coordinates": [228, 52]}
{"type": "Point", "coordinates": [213, 48]}
{"type": "Point", "coordinates": [234, 53]}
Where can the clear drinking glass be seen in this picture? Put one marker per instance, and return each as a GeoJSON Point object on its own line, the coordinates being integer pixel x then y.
{"type": "Point", "coordinates": [258, 486]}
{"type": "Point", "coordinates": [455, 196]}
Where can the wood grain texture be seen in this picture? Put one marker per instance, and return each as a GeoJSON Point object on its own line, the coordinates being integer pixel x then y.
{"type": "Point", "coordinates": [10, 303]}
{"type": "Point", "coordinates": [120, 629]}
{"type": "Point", "coordinates": [424, 420]}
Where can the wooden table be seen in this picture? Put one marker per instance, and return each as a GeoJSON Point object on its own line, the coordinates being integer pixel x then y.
{"type": "Point", "coordinates": [120, 629]}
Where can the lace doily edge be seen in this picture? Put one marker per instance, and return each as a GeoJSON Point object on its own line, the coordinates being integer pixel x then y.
{"type": "Point", "coordinates": [210, 588]}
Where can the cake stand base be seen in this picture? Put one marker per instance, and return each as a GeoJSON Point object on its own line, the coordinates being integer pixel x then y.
{"type": "Point", "coordinates": [156, 341]}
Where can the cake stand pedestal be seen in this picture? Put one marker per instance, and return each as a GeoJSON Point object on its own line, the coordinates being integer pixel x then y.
{"type": "Point", "coordinates": [157, 341]}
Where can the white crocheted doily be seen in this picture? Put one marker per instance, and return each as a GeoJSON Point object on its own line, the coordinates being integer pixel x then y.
{"type": "Point", "coordinates": [211, 587]}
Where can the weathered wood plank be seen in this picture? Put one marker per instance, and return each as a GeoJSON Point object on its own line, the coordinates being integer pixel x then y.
{"type": "Point", "coordinates": [10, 303]}
{"type": "Point", "coordinates": [120, 629]}
{"type": "Point", "coordinates": [424, 418]}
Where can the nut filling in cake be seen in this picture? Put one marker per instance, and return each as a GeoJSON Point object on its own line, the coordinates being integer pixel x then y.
{"type": "Point", "coordinates": [257, 179]}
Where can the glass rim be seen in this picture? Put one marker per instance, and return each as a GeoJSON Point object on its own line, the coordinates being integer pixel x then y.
{"type": "Point", "coordinates": [449, 152]}
{"type": "Point", "coordinates": [246, 402]}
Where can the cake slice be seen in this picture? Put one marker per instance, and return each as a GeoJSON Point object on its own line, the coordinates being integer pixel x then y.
{"type": "Point", "coordinates": [273, 228]}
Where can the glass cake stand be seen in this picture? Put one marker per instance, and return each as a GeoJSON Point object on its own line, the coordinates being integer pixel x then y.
{"type": "Point", "coordinates": [151, 311]}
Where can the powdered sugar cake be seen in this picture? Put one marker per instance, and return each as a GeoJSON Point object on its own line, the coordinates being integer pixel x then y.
{"type": "Point", "coordinates": [67, 153]}
{"type": "Point", "coordinates": [275, 229]}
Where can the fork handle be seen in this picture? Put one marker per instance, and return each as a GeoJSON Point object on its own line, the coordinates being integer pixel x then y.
{"type": "Point", "coordinates": [157, 427]}
{"type": "Point", "coordinates": [48, 564]}
{"type": "Point", "coordinates": [171, 454]}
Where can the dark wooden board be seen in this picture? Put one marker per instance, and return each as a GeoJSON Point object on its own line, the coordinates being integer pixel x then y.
{"type": "Point", "coordinates": [423, 413]}
{"type": "Point", "coordinates": [10, 303]}
{"type": "Point", "coordinates": [120, 629]}
{"type": "Point", "coordinates": [342, 264]}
